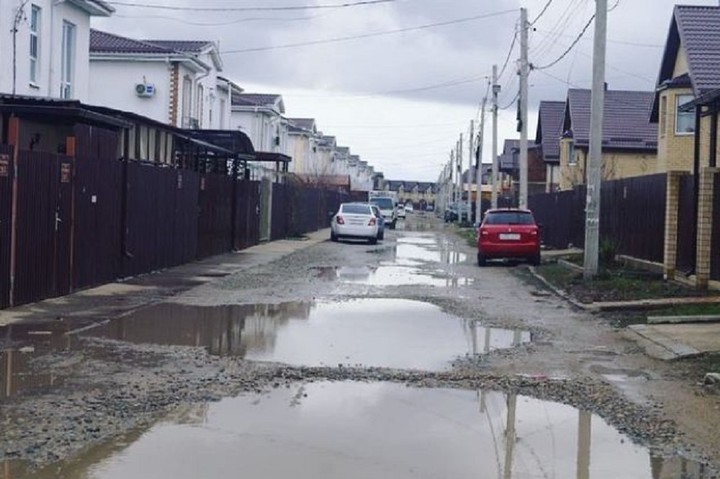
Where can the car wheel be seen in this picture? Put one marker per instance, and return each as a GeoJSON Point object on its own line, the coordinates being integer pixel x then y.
{"type": "Point", "coordinates": [333, 237]}
{"type": "Point", "coordinates": [381, 236]}
{"type": "Point", "coordinates": [482, 261]}
{"type": "Point", "coordinates": [373, 240]}
{"type": "Point", "coordinates": [393, 224]}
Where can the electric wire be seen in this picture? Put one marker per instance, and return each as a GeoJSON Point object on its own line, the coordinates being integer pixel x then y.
{"type": "Point", "coordinates": [155, 6]}
{"type": "Point", "coordinates": [369, 35]}
{"type": "Point", "coordinates": [568, 50]}
{"type": "Point", "coordinates": [542, 12]}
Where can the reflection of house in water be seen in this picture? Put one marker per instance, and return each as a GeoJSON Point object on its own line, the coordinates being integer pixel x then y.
{"type": "Point", "coordinates": [24, 343]}
{"type": "Point", "coordinates": [223, 330]}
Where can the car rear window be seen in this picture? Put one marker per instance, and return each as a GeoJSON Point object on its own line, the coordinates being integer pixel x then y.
{"type": "Point", "coordinates": [509, 218]}
{"type": "Point", "coordinates": [356, 209]}
{"type": "Point", "coordinates": [384, 203]}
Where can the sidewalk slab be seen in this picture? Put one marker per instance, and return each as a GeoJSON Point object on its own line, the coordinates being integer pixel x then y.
{"type": "Point", "coordinates": [683, 319]}
{"type": "Point", "coordinates": [678, 340]}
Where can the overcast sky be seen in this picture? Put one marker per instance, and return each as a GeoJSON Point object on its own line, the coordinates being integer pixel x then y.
{"type": "Point", "coordinates": [400, 100]}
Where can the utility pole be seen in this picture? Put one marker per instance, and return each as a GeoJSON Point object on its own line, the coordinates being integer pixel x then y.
{"type": "Point", "coordinates": [594, 179]}
{"type": "Point", "coordinates": [495, 92]}
{"type": "Point", "coordinates": [524, 73]}
{"type": "Point", "coordinates": [471, 142]}
{"type": "Point", "coordinates": [478, 164]}
{"type": "Point", "coordinates": [452, 175]}
{"type": "Point", "coordinates": [459, 157]}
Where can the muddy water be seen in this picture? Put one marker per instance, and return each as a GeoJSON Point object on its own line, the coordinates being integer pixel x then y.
{"type": "Point", "coordinates": [370, 332]}
{"type": "Point", "coordinates": [359, 430]}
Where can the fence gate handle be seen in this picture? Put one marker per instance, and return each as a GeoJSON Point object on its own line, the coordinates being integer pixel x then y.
{"type": "Point", "coordinates": [57, 220]}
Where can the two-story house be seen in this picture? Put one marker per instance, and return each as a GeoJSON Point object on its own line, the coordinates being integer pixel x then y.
{"type": "Point", "coordinates": [303, 142]}
{"type": "Point", "coordinates": [547, 138]}
{"type": "Point", "coordinates": [690, 70]}
{"type": "Point", "coordinates": [44, 47]}
{"type": "Point", "coordinates": [260, 116]}
{"type": "Point", "coordinates": [174, 82]}
{"type": "Point", "coordinates": [509, 168]}
{"type": "Point", "coordinates": [629, 144]}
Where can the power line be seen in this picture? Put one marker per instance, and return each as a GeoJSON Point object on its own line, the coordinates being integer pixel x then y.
{"type": "Point", "coordinates": [569, 49]}
{"type": "Point", "coordinates": [225, 22]}
{"type": "Point", "coordinates": [517, 95]}
{"type": "Point", "coordinates": [542, 12]}
{"type": "Point", "coordinates": [507, 58]}
{"type": "Point", "coordinates": [572, 9]}
{"type": "Point", "coordinates": [369, 35]}
{"type": "Point", "coordinates": [251, 9]}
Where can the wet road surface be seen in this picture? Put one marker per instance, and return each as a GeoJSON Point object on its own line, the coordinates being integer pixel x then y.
{"type": "Point", "coordinates": [186, 402]}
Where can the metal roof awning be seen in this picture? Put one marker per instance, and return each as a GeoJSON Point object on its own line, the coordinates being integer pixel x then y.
{"type": "Point", "coordinates": [42, 107]}
{"type": "Point", "coordinates": [267, 156]}
{"type": "Point", "coordinates": [233, 141]}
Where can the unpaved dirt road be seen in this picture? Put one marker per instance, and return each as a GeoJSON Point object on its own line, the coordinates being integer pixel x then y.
{"type": "Point", "coordinates": [402, 359]}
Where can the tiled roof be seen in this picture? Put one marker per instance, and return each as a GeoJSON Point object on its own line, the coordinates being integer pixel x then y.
{"type": "Point", "coordinates": [184, 46]}
{"type": "Point", "coordinates": [549, 129]}
{"type": "Point", "coordinates": [626, 123]}
{"type": "Point", "coordinates": [104, 42]}
{"type": "Point", "coordinates": [304, 123]}
{"type": "Point", "coordinates": [699, 30]}
{"type": "Point", "coordinates": [255, 99]}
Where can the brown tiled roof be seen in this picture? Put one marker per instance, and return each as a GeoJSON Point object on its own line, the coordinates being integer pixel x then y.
{"type": "Point", "coordinates": [549, 129]}
{"type": "Point", "coordinates": [104, 42]}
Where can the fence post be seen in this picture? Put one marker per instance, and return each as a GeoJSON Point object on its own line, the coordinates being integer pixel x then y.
{"type": "Point", "coordinates": [705, 226]}
{"type": "Point", "coordinates": [14, 141]}
{"type": "Point", "coordinates": [672, 207]}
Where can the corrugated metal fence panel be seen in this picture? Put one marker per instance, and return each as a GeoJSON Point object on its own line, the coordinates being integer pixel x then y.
{"type": "Point", "coordinates": [36, 209]}
{"type": "Point", "coordinates": [562, 217]}
{"type": "Point", "coordinates": [686, 224]}
{"type": "Point", "coordinates": [6, 179]}
{"type": "Point", "coordinates": [281, 214]}
{"type": "Point", "coordinates": [633, 216]}
{"type": "Point", "coordinates": [715, 241]}
{"type": "Point", "coordinates": [215, 227]}
{"type": "Point", "coordinates": [185, 235]}
{"type": "Point", "coordinates": [97, 257]}
{"type": "Point", "coordinates": [247, 214]}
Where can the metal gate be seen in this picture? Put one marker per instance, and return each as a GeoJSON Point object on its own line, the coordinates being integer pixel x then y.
{"type": "Point", "coordinates": [6, 180]}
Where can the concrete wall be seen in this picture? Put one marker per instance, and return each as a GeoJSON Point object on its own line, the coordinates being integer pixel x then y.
{"type": "Point", "coordinates": [50, 41]}
{"type": "Point", "coordinates": [113, 85]}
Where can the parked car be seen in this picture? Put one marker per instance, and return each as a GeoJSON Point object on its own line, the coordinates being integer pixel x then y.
{"type": "Point", "coordinates": [381, 222]}
{"type": "Point", "coordinates": [409, 208]}
{"type": "Point", "coordinates": [401, 211]}
{"type": "Point", "coordinates": [356, 221]}
{"type": "Point", "coordinates": [508, 233]}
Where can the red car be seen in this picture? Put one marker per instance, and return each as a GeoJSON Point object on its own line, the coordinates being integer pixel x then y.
{"type": "Point", "coordinates": [508, 233]}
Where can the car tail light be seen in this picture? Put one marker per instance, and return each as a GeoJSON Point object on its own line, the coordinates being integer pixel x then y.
{"type": "Point", "coordinates": [372, 222]}
{"type": "Point", "coordinates": [534, 232]}
{"type": "Point", "coordinates": [339, 220]}
{"type": "Point", "coordinates": [483, 232]}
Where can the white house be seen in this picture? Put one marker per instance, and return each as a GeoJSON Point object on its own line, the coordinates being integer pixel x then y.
{"type": "Point", "coordinates": [303, 146]}
{"type": "Point", "coordinates": [174, 82]}
{"type": "Point", "coordinates": [50, 49]}
{"type": "Point", "coordinates": [260, 116]}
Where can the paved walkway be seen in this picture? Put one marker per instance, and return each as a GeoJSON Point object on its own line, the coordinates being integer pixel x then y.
{"type": "Point", "coordinates": [673, 341]}
{"type": "Point", "coordinates": [113, 299]}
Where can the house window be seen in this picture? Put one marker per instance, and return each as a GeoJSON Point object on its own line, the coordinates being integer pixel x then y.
{"type": "Point", "coordinates": [572, 158]}
{"type": "Point", "coordinates": [223, 107]}
{"type": "Point", "coordinates": [200, 99]}
{"type": "Point", "coordinates": [186, 102]}
{"type": "Point", "coordinates": [34, 43]}
{"type": "Point", "coordinates": [68, 60]}
{"type": "Point", "coordinates": [684, 120]}
{"type": "Point", "coordinates": [663, 115]}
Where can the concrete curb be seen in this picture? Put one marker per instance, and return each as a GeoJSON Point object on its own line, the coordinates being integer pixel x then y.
{"type": "Point", "coordinates": [559, 292]}
{"type": "Point", "coordinates": [683, 319]}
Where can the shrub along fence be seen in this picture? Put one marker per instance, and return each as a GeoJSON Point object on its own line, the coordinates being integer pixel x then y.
{"type": "Point", "coordinates": [632, 218]}
{"type": "Point", "coordinates": [87, 218]}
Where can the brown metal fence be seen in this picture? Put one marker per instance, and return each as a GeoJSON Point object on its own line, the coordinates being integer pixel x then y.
{"type": "Point", "coordinates": [300, 209]}
{"type": "Point", "coordinates": [632, 216]}
{"type": "Point", "coordinates": [281, 211]}
{"type": "Point", "coordinates": [715, 238]}
{"type": "Point", "coordinates": [686, 225]}
{"type": "Point", "coordinates": [97, 208]}
{"type": "Point", "coordinates": [6, 179]}
{"type": "Point", "coordinates": [247, 214]}
{"type": "Point", "coordinates": [215, 220]}
{"type": "Point", "coordinates": [562, 217]}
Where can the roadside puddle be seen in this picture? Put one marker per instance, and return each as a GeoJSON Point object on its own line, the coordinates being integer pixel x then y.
{"type": "Point", "coordinates": [392, 333]}
{"type": "Point", "coordinates": [359, 430]}
{"type": "Point", "coordinates": [395, 275]}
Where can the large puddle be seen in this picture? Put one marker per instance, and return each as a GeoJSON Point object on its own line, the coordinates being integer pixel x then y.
{"type": "Point", "coordinates": [390, 333]}
{"type": "Point", "coordinates": [359, 430]}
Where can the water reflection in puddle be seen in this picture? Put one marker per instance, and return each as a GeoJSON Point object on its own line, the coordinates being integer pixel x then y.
{"type": "Point", "coordinates": [360, 430]}
{"type": "Point", "coordinates": [373, 332]}
{"type": "Point", "coordinates": [395, 275]}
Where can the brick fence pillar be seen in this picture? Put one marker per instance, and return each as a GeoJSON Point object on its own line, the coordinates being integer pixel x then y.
{"type": "Point", "coordinates": [672, 206]}
{"type": "Point", "coordinates": [705, 224]}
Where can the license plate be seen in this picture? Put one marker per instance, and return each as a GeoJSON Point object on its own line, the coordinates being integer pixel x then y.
{"type": "Point", "coordinates": [509, 236]}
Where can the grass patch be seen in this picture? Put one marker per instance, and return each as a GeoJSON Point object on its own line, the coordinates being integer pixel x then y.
{"type": "Point", "coordinates": [617, 283]}
{"type": "Point", "coordinates": [468, 234]}
{"type": "Point", "coordinates": [689, 310]}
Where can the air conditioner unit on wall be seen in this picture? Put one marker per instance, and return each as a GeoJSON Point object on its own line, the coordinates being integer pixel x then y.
{"type": "Point", "coordinates": [145, 90]}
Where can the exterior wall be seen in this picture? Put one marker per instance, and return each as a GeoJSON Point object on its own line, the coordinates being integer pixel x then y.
{"type": "Point", "coordinates": [675, 151]}
{"type": "Point", "coordinates": [50, 41]}
{"type": "Point", "coordinates": [615, 165]}
{"type": "Point", "coordinates": [262, 126]}
{"type": "Point", "coordinates": [681, 63]}
{"type": "Point", "coordinates": [552, 177]}
{"type": "Point", "coordinates": [114, 83]}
